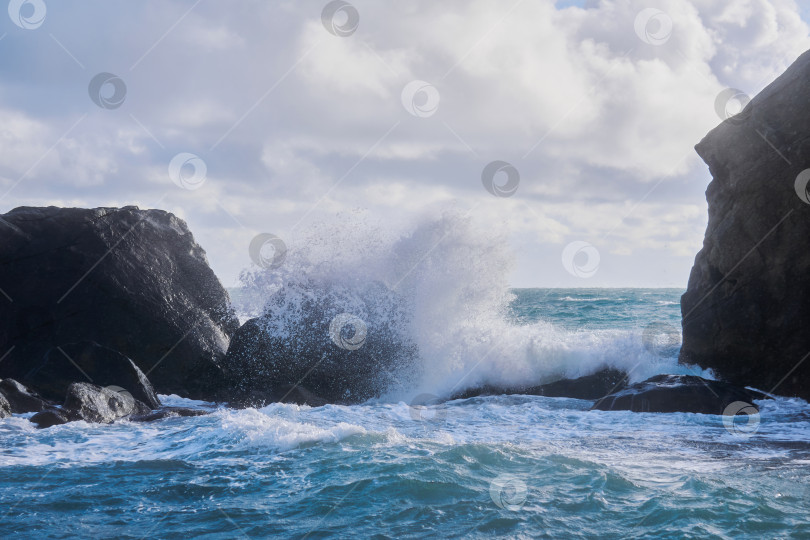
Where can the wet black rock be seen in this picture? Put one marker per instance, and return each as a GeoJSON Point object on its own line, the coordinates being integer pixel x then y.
{"type": "Point", "coordinates": [131, 280]}
{"type": "Point", "coordinates": [52, 416]}
{"type": "Point", "coordinates": [93, 403]}
{"type": "Point", "coordinates": [678, 393]}
{"type": "Point", "coordinates": [5, 407]}
{"type": "Point", "coordinates": [342, 347]}
{"type": "Point", "coordinates": [167, 412]}
{"type": "Point", "coordinates": [89, 362]}
{"type": "Point", "coordinates": [589, 387]}
{"type": "Point", "coordinates": [20, 398]}
{"type": "Point", "coordinates": [745, 311]}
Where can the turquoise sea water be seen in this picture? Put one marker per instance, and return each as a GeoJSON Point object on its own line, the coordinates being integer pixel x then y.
{"type": "Point", "coordinates": [503, 466]}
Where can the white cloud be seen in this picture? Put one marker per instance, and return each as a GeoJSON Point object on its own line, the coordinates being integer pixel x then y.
{"type": "Point", "coordinates": [296, 124]}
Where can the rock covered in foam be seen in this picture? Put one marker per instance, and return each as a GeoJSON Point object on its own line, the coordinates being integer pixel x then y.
{"type": "Point", "coordinates": [320, 344]}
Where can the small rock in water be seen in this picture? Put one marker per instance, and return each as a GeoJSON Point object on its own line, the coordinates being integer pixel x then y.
{"type": "Point", "coordinates": [51, 416]}
{"type": "Point", "coordinates": [589, 387]}
{"type": "Point", "coordinates": [167, 412]}
{"type": "Point", "coordinates": [93, 403]}
{"type": "Point", "coordinates": [87, 360]}
{"type": "Point", "coordinates": [677, 393]}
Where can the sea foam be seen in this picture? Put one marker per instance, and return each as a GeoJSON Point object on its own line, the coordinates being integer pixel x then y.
{"type": "Point", "coordinates": [449, 276]}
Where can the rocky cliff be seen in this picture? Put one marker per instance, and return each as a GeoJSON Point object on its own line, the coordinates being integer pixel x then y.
{"type": "Point", "coordinates": [747, 307]}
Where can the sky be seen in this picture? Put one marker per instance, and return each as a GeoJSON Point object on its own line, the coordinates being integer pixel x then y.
{"type": "Point", "coordinates": [569, 125]}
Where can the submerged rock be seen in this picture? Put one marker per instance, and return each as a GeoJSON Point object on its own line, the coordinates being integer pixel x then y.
{"type": "Point", "coordinates": [88, 361]}
{"type": "Point", "coordinates": [677, 393]}
{"type": "Point", "coordinates": [131, 280]}
{"type": "Point", "coordinates": [167, 412]}
{"type": "Point", "coordinates": [745, 311]}
{"type": "Point", "coordinates": [589, 387]}
{"type": "Point", "coordinates": [20, 398]}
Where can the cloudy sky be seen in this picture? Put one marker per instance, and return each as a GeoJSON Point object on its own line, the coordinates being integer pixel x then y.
{"type": "Point", "coordinates": [301, 111]}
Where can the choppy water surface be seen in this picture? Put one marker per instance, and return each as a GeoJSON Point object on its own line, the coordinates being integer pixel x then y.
{"type": "Point", "coordinates": [511, 466]}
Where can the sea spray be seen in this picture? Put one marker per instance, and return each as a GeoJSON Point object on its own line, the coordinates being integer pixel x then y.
{"type": "Point", "coordinates": [438, 295]}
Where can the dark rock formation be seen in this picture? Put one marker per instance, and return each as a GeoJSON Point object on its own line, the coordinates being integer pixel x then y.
{"type": "Point", "coordinates": [589, 387]}
{"type": "Point", "coordinates": [342, 346]}
{"type": "Point", "coordinates": [167, 412]}
{"type": "Point", "coordinates": [88, 361]}
{"type": "Point", "coordinates": [745, 311]}
{"type": "Point", "coordinates": [52, 416]}
{"type": "Point", "coordinates": [20, 398]}
{"type": "Point", "coordinates": [93, 403]}
{"type": "Point", "coordinates": [131, 280]}
{"type": "Point", "coordinates": [5, 407]}
{"type": "Point", "coordinates": [677, 393]}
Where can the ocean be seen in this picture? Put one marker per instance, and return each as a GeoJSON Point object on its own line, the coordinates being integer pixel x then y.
{"type": "Point", "coordinates": [508, 466]}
